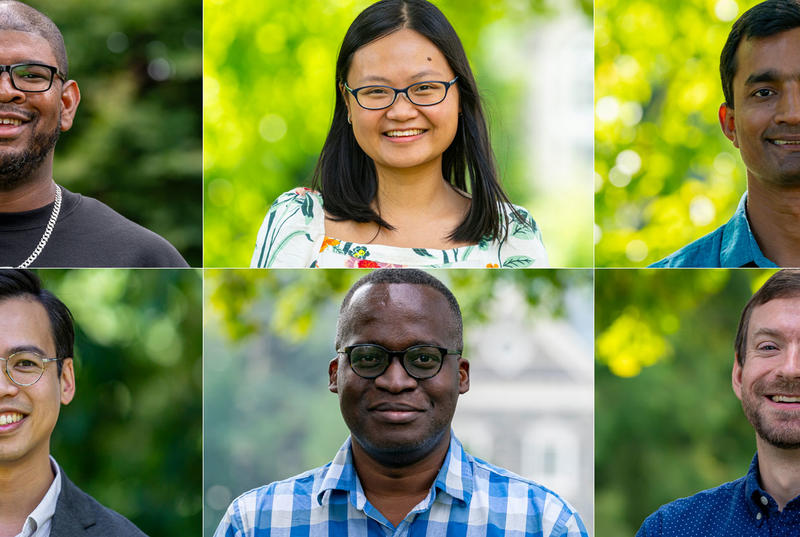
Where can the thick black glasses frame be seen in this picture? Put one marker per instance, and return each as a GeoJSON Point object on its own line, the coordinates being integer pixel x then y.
{"type": "Point", "coordinates": [398, 91]}
{"type": "Point", "coordinates": [401, 354]}
{"type": "Point", "coordinates": [54, 72]}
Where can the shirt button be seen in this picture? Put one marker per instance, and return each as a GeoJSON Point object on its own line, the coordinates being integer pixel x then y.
{"type": "Point", "coordinates": [758, 516]}
{"type": "Point", "coordinates": [764, 500]}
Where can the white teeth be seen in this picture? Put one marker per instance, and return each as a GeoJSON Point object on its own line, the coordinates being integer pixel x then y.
{"type": "Point", "coordinates": [786, 142]}
{"type": "Point", "coordinates": [7, 419]}
{"type": "Point", "coordinates": [410, 132]}
{"type": "Point", "coordinates": [7, 121]}
{"type": "Point", "coordinates": [785, 399]}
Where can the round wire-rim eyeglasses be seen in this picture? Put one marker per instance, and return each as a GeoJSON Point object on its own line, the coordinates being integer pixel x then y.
{"type": "Point", "coordinates": [39, 363]}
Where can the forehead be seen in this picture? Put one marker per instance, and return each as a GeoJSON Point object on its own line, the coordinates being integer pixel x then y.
{"type": "Point", "coordinates": [399, 56]}
{"type": "Point", "coordinates": [396, 311]}
{"type": "Point", "coordinates": [779, 315]}
{"type": "Point", "coordinates": [17, 47]}
{"type": "Point", "coordinates": [24, 322]}
{"type": "Point", "coordinates": [779, 53]}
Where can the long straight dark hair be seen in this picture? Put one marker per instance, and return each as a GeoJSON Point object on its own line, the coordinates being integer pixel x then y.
{"type": "Point", "coordinates": [347, 177]}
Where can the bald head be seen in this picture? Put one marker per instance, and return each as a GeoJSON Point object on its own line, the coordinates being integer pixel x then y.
{"type": "Point", "coordinates": [23, 18]}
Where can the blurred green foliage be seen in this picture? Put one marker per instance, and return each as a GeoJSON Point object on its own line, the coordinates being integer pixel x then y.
{"type": "Point", "coordinates": [268, 101]}
{"type": "Point", "coordinates": [664, 172]}
{"type": "Point", "coordinates": [667, 423]}
{"type": "Point", "coordinates": [135, 144]}
{"type": "Point", "coordinates": [268, 338]}
{"type": "Point", "coordinates": [131, 437]}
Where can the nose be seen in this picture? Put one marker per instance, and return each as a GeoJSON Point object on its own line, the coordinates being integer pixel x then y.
{"type": "Point", "coordinates": [7, 388]}
{"type": "Point", "coordinates": [395, 379]}
{"type": "Point", "coordinates": [8, 93]}
{"type": "Point", "coordinates": [790, 366]}
{"type": "Point", "coordinates": [789, 105]}
{"type": "Point", "coordinates": [402, 109]}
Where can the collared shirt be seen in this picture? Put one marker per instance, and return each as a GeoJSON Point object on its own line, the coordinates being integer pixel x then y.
{"type": "Point", "coordinates": [731, 245]}
{"type": "Point", "coordinates": [39, 521]}
{"type": "Point", "coordinates": [469, 497]}
{"type": "Point", "coordinates": [740, 507]}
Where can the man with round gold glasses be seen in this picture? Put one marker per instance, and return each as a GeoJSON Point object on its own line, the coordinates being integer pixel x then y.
{"type": "Point", "coordinates": [37, 377]}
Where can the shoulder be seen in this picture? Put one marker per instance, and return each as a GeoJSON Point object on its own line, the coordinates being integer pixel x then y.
{"type": "Point", "coordinates": [522, 246]}
{"type": "Point", "coordinates": [702, 253]}
{"type": "Point", "coordinates": [254, 509]}
{"type": "Point", "coordinates": [553, 515]}
{"type": "Point", "coordinates": [293, 226]}
{"type": "Point", "coordinates": [706, 509]}
{"type": "Point", "coordinates": [123, 242]}
{"type": "Point", "coordinates": [76, 511]}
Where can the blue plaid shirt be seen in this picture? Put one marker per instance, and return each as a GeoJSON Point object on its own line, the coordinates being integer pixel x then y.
{"type": "Point", "coordinates": [740, 507]}
{"type": "Point", "coordinates": [468, 498]}
{"type": "Point", "coordinates": [731, 245]}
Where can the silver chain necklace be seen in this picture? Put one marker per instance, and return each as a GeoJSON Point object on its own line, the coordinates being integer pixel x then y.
{"type": "Point", "coordinates": [47, 231]}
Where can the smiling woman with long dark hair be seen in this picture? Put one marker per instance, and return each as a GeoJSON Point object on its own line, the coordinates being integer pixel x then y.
{"type": "Point", "coordinates": [407, 172]}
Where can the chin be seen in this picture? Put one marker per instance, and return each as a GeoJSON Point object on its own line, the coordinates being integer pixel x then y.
{"type": "Point", "coordinates": [395, 451]}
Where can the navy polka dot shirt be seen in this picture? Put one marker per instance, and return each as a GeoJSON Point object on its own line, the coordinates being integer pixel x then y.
{"type": "Point", "coordinates": [739, 508]}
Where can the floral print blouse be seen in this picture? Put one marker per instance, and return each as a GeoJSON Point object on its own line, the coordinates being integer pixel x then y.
{"type": "Point", "coordinates": [293, 236]}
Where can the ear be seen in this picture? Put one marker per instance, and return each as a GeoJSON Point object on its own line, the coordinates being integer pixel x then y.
{"type": "Point", "coordinates": [333, 375]}
{"type": "Point", "coordinates": [463, 375]}
{"type": "Point", "coordinates": [726, 121]}
{"type": "Point", "coordinates": [736, 377]}
{"type": "Point", "coordinates": [70, 97]}
{"type": "Point", "coordinates": [67, 381]}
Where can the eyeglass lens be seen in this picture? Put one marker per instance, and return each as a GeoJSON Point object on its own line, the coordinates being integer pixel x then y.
{"type": "Point", "coordinates": [32, 77]}
{"type": "Point", "coordinates": [24, 367]}
{"type": "Point", "coordinates": [424, 93]}
{"type": "Point", "coordinates": [371, 361]}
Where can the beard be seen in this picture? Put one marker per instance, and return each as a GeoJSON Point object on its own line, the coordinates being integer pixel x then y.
{"type": "Point", "coordinates": [17, 168]}
{"type": "Point", "coordinates": [779, 428]}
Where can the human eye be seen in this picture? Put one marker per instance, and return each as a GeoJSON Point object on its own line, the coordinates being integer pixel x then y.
{"type": "Point", "coordinates": [425, 358]}
{"type": "Point", "coordinates": [32, 72]}
{"type": "Point", "coordinates": [764, 92]}
{"type": "Point", "coordinates": [366, 356]}
{"type": "Point", "coordinates": [375, 91]}
{"type": "Point", "coordinates": [25, 362]}
{"type": "Point", "coordinates": [767, 347]}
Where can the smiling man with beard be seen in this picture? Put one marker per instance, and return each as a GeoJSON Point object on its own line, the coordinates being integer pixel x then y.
{"type": "Point", "coordinates": [766, 378]}
{"type": "Point", "coordinates": [760, 69]}
{"type": "Point", "coordinates": [398, 372]}
{"type": "Point", "coordinates": [41, 223]}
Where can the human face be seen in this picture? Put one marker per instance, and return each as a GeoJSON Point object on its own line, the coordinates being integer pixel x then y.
{"type": "Point", "coordinates": [24, 324]}
{"type": "Point", "coordinates": [395, 418]}
{"type": "Point", "coordinates": [403, 136]}
{"type": "Point", "coordinates": [37, 118]}
{"type": "Point", "coordinates": [768, 383]}
{"type": "Point", "coordinates": [764, 122]}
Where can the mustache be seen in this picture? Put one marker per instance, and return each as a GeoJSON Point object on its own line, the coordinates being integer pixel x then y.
{"type": "Point", "coordinates": [11, 109]}
{"type": "Point", "coordinates": [778, 386]}
{"type": "Point", "coordinates": [785, 130]}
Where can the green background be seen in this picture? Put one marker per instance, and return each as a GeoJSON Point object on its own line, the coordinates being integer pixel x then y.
{"type": "Point", "coordinates": [131, 437]}
{"type": "Point", "coordinates": [667, 423]}
{"type": "Point", "coordinates": [135, 144]}
{"type": "Point", "coordinates": [665, 174]}
{"type": "Point", "coordinates": [268, 103]}
{"type": "Point", "coordinates": [268, 339]}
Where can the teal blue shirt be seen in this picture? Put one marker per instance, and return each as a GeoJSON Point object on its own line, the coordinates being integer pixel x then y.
{"type": "Point", "coordinates": [731, 245]}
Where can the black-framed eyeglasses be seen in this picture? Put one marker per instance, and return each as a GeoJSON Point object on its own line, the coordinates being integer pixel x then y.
{"type": "Point", "coordinates": [32, 77]}
{"type": "Point", "coordinates": [427, 93]}
{"type": "Point", "coordinates": [370, 361]}
{"type": "Point", "coordinates": [25, 368]}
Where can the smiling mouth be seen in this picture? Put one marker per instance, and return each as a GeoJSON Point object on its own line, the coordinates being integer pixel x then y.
{"type": "Point", "coordinates": [9, 121]}
{"type": "Point", "coordinates": [407, 132]}
{"type": "Point", "coordinates": [9, 418]}
{"type": "Point", "coordinates": [785, 398]}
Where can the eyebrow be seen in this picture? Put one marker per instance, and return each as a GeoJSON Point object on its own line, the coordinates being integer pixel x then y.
{"type": "Point", "coordinates": [426, 72]}
{"type": "Point", "coordinates": [770, 75]}
{"type": "Point", "coordinates": [769, 332]}
{"type": "Point", "coordinates": [25, 348]}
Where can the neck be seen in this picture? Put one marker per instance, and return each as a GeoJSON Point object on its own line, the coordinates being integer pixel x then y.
{"type": "Point", "coordinates": [412, 190]}
{"type": "Point", "coordinates": [22, 487]}
{"type": "Point", "coordinates": [394, 491]}
{"type": "Point", "coordinates": [774, 215]}
{"type": "Point", "coordinates": [780, 471]}
{"type": "Point", "coordinates": [29, 196]}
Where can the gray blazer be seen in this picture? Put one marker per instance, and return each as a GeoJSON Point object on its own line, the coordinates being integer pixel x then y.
{"type": "Point", "coordinates": [79, 515]}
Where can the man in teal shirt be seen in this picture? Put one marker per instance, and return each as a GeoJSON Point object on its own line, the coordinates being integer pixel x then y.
{"type": "Point", "coordinates": [760, 70]}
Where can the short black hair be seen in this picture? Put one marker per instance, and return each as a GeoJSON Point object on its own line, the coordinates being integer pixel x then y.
{"type": "Point", "coordinates": [347, 177]}
{"type": "Point", "coordinates": [21, 17]}
{"type": "Point", "coordinates": [25, 284]}
{"type": "Point", "coordinates": [782, 284]}
{"type": "Point", "coordinates": [408, 276]}
{"type": "Point", "coordinates": [762, 20]}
